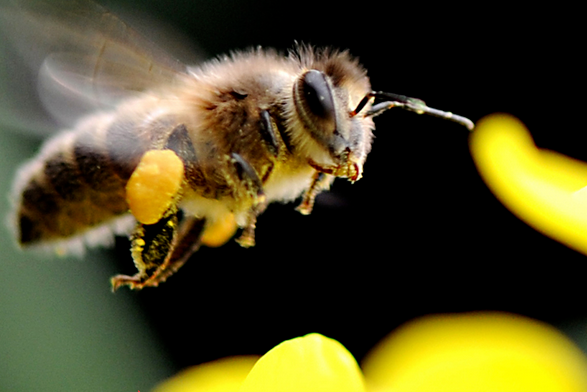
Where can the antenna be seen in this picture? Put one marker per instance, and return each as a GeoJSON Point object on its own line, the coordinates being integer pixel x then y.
{"type": "Point", "coordinates": [411, 104]}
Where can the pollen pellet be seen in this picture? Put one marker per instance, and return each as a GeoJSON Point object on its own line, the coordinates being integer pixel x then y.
{"type": "Point", "coordinates": [153, 185]}
{"type": "Point", "coordinates": [219, 232]}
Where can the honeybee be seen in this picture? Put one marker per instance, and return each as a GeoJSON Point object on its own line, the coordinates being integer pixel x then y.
{"type": "Point", "coordinates": [189, 154]}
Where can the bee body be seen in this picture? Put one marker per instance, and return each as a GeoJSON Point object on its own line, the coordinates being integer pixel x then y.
{"type": "Point", "coordinates": [233, 124]}
{"type": "Point", "coordinates": [219, 141]}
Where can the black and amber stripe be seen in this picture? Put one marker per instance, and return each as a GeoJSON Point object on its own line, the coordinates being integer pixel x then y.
{"type": "Point", "coordinates": [82, 184]}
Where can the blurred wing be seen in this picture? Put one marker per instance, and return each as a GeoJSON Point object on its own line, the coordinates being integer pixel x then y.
{"type": "Point", "coordinates": [81, 55]}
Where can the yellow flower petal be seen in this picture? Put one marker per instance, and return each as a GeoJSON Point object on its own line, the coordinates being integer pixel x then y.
{"type": "Point", "coordinates": [543, 188]}
{"type": "Point", "coordinates": [312, 363]}
{"type": "Point", "coordinates": [223, 375]}
{"type": "Point", "coordinates": [481, 352]}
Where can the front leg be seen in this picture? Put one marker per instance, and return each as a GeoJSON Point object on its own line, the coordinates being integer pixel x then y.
{"type": "Point", "coordinates": [320, 182]}
{"type": "Point", "coordinates": [351, 169]}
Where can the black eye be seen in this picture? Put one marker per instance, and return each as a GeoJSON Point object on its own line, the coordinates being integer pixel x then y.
{"type": "Point", "coordinates": [314, 90]}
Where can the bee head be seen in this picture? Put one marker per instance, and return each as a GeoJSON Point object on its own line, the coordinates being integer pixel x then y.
{"type": "Point", "coordinates": [333, 108]}
{"type": "Point", "coordinates": [338, 140]}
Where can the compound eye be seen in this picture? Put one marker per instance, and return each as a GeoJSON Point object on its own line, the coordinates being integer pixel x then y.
{"type": "Point", "coordinates": [314, 98]}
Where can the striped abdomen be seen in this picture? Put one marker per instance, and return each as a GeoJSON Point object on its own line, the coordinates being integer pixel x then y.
{"type": "Point", "coordinates": [78, 181]}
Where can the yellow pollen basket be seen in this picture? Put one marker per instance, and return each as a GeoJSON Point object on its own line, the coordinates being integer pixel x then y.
{"type": "Point", "coordinates": [153, 185]}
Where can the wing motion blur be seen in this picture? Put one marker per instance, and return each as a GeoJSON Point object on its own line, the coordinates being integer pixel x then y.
{"type": "Point", "coordinates": [80, 56]}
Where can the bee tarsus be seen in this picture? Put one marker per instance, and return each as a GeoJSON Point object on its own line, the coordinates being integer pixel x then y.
{"type": "Point", "coordinates": [320, 181]}
{"type": "Point", "coordinates": [159, 250]}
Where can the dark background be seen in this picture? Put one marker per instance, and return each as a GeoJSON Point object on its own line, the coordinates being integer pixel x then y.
{"type": "Point", "coordinates": [420, 233]}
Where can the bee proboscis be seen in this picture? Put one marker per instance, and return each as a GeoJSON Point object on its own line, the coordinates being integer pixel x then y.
{"type": "Point", "coordinates": [218, 142]}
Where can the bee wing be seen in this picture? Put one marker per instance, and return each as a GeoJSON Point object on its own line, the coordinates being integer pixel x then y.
{"type": "Point", "coordinates": [81, 56]}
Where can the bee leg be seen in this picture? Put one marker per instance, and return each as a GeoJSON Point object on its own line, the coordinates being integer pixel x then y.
{"type": "Point", "coordinates": [247, 174]}
{"type": "Point", "coordinates": [247, 237]}
{"type": "Point", "coordinates": [150, 246]}
{"type": "Point", "coordinates": [320, 181]}
{"type": "Point", "coordinates": [160, 249]}
{"type": "Point", "coordinates": [269, 133]}
{"type": "Point", "coordinates": [187, 242]}
{"type": "Point", "coordinates": [352, 170]}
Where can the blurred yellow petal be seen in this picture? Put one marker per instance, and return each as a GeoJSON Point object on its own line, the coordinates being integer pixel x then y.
{"type": "Point", "coordinates": [312, 363]}
{"type": "Point", "coordinates": [480, 352]}
{"type": "Point", "coordinates": [543, 188]}
{"type": "Point", "coordinates": [223, 375]}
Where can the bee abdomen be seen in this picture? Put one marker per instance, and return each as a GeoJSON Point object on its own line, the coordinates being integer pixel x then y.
{"type": "Point", "coordinates": [37, 202]}
{"type": "Point", "coordinates": [79, 180]}
{"type": "Point", "coordinates": [125, 143]}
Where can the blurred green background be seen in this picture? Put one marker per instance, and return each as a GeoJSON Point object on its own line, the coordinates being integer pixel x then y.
{"type": "Point", "coordinates": [419, 234]}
